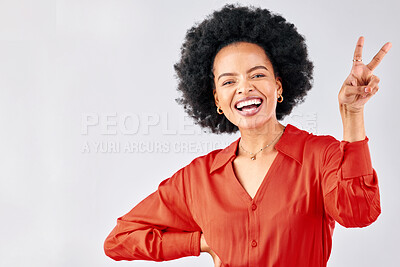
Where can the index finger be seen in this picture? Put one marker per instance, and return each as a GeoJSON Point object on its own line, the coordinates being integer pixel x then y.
{"type": "Point", "coordinates": [358, 50]}
{"type": "Point", "coordinates": [379, 56]}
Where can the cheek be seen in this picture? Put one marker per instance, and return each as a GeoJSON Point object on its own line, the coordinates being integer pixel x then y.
{"type": "Point", "coordinates": [225, 98]}
{"type": "Point", "coordinates": [271, 101]}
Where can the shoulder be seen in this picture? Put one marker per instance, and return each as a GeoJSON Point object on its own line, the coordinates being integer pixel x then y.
{"type": "Point", "coordinates": [301, 142]}
{"type": "Point", "coordinates": [194, 175]}
{"type": "Point", "coordinates": [317, 146]}
{"type": "Point", "coordinates": [303, 138]}
{"type": "Point", "coordinates": [304, 145]}
{"type": "Point", "coordinates": [191, 175]}
{"type": "Point", "coordinates": [320, 140]}
{"type": "Point", "coordinates": [308, 139]}
{"type": "Point", "coordinates": [319, 143]}
{"type": "Point", "coordinates": [203, 162]}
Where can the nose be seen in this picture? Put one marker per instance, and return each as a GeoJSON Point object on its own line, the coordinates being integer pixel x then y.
{"type": "Point", "coordinates": [244, 87]}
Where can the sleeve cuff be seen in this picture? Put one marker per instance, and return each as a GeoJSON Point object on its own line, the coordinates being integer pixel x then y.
{"type": "Point", "coordinates": [195, 243]}
{"type": "Point", "coordinates": [356, 159]}
{"type": "Point", "coordinates": [177, 245]}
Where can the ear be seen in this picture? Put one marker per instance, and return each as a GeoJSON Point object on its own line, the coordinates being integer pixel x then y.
{"type": "Point", "coordinates": [279, 85]}
{"type": "Point", "coordinates": [216, 97]}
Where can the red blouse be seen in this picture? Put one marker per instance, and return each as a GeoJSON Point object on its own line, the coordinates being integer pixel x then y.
{"type": "Point", "coordinates": [314, 181]}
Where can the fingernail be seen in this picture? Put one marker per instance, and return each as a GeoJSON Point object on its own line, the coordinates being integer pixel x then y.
{"type": "Point", "coordinates": [366, 89]}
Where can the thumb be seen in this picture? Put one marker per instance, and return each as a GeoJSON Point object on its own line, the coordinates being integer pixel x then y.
{"type": "Point", "coordinates": [216, 259]}
{"type": "Point", "coordinates": [217, 262]}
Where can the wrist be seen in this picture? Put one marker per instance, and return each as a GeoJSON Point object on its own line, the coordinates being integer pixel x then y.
{"type": "Point", "coordinates": [353, 124]}
{"type": "Point", "coordinates": [345, 111]}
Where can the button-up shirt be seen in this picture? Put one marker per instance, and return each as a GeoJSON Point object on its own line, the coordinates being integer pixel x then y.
{"type": "Point", "coordinates": [313, 181]}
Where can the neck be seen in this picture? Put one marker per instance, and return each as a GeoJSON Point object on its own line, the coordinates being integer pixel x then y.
{"type": "Point", "coordinates": [253, 140]}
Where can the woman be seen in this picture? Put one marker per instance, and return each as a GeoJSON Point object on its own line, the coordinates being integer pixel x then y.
{"type": "Point", "coordinates": [272, 197]}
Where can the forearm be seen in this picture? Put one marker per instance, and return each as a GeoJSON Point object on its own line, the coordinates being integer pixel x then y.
{"type": "Point", "coordinates": [151, 244]}
{"type": "Point", "coordinates": [160, 227]}
{"type": "Point", "coordinates": [353, 124]}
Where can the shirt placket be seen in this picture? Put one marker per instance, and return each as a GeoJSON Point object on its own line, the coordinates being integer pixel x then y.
{"type": "Point", "coordinates": [254, 234]}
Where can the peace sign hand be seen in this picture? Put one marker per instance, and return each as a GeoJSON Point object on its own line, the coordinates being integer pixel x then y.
{"type": "Point", "coordinates": [361, 84]}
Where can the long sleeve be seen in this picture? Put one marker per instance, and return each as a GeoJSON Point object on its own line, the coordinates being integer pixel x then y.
{"type": "Point", "coordinates": [159, 228]}
{"type": "Point", "coordinates": [350, 184]}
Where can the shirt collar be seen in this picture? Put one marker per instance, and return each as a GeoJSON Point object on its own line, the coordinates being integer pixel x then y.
{"type": "Point", "coordinates": [291, 144]}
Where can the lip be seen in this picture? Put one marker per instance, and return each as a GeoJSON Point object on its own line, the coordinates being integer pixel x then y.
{"type": "Point", "coordinates": [248, 98]}
{"type": "Point", "coordinates": [249, 112]}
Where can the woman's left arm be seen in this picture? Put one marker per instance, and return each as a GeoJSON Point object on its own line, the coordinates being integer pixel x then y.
{"type": "Point", "coordinates": [350, 185]}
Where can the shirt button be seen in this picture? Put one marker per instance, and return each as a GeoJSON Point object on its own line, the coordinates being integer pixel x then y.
{"type": "Point", "coordinates": [254, 243]}
{"type": "Point", "coordinates": [253, 207]}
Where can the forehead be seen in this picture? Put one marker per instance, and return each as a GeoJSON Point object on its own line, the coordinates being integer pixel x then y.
{"type": "Point", "coordinates": [241, 54]}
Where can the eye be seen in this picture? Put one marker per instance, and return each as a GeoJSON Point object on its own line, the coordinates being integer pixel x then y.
{"type": "Point", "coordinates": [258, 76]}
{"type": "Point", "coordinates": [227, 82]}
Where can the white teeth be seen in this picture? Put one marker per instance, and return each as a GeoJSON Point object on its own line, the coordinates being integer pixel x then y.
{"type": "Point", "coordinates": [248, 103]}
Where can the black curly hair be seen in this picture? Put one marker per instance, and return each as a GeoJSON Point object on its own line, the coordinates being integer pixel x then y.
{"type": "Point", "coordinates": [283, 45]}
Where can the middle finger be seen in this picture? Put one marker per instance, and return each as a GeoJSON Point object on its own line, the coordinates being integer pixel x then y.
{"type": "Point", "coordinates": [379, 56]}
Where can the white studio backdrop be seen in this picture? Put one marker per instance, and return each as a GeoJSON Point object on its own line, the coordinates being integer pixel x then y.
{"type": "Point", "coordinates": [82, 80]}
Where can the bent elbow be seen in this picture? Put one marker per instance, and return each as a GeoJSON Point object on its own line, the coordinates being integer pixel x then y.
{"type": "Point", "coordinates": [359, 220]}
{"type": "Point", "coordinates": [135, 245]}
{"type": "Point", "coordinates": [354, 203]}
{"type": "Point", "coordinates": [375, 211]}
{"type": "Point", "coordinates": [110, 248]}
{"type": "Point", "coordinates": [116, 247]}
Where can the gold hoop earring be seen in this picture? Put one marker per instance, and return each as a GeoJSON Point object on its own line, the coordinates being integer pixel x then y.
{"type": "Point", "coordinates": [219, 111]}
{"type": "Point", "coordinates": [280, 101]}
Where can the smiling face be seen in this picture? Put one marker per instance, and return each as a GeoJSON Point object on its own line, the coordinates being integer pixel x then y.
{"type": "Point", "coordinates": [246, 88]}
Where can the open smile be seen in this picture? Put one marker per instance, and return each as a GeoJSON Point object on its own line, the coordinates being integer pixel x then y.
{"type": "Point", "coordinates": [249, 106]}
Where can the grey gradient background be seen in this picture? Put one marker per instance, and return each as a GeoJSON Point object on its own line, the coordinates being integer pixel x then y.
{"type": "Point", "coordinates": [62, 60]}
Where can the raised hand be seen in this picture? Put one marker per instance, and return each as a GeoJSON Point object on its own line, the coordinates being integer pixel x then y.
{"type": "Point", "coordinates": [361, 84]}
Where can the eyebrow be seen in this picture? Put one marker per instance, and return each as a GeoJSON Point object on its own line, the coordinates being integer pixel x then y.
{"type": "Point", "coordinates": [250, 70]}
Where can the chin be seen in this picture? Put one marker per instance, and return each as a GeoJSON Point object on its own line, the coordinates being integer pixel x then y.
{"type": "Point", "coordinates": [254, 122]}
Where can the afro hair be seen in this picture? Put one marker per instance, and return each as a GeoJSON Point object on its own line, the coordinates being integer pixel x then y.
{"type": "Point", "coordinates": [283, 45]}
